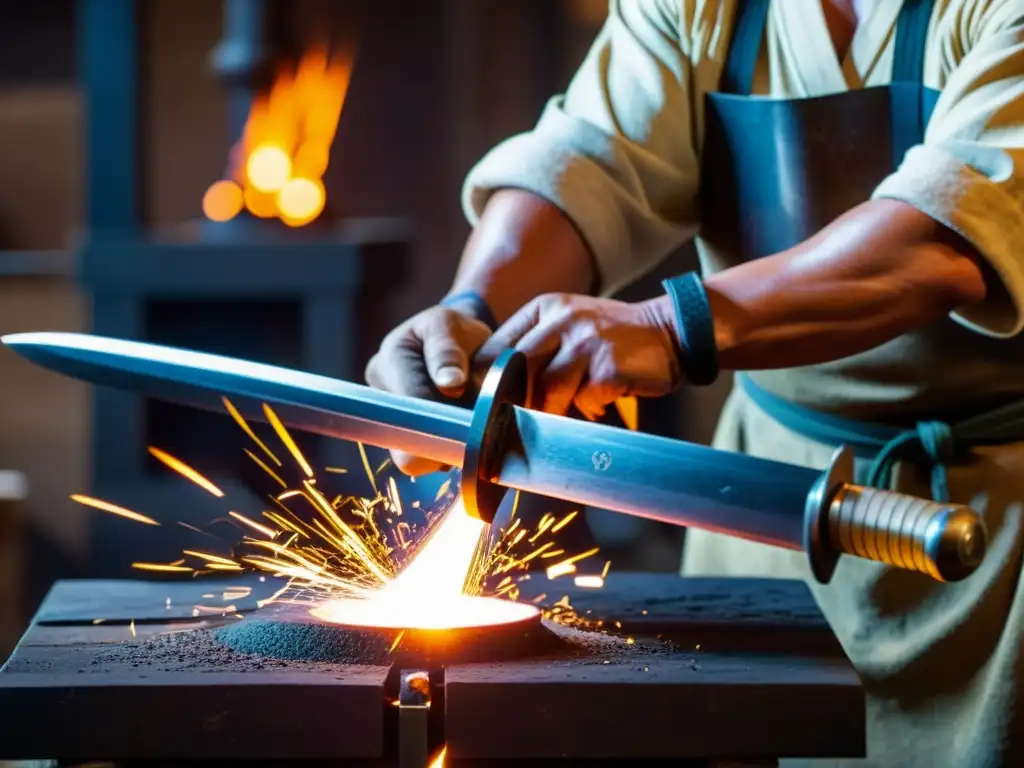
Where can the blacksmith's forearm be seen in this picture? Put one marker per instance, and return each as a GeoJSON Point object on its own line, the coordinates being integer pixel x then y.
{"type": "Point", "coordinates": [879, 271]}
{"type": "Point", "coordinates": [523, 247]}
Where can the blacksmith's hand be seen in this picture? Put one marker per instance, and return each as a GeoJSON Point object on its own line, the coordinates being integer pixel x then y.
{"type": "Point", "coordinates": [427, 356]}
{"type": "Point", "coordinates": [589, 352]}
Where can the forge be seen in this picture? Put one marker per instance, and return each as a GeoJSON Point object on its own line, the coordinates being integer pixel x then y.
{"type": "Point", "coordinates": [689, 669]}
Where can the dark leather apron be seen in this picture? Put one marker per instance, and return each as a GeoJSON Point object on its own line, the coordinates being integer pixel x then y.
{"type": "Point", "coordinates": [776, 171]}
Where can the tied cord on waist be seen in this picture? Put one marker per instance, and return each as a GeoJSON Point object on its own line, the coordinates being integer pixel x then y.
{"type": "Point", "coordinates": [934, 443]}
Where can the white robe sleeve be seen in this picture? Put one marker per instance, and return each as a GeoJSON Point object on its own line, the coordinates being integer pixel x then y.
{"type": "Point", "coordinates": [616, 152]}
{"type": "Point", "coordinates": [969, 171]}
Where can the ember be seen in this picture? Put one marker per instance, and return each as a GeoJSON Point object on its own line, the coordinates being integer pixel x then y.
{"type": "Point", "coordinates": [276, 169]}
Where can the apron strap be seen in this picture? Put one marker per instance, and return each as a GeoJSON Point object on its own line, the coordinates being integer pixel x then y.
{"type": "Point", "coordinates": [910, 109]}
{"type": "Point", "coordinates": [747, 36]}
{"type": "Point", "coordinates": [933, 443]}
{"type": "Point", "coordinates": [911, 35]}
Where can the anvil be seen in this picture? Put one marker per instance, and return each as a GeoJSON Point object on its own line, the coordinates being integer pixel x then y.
{"type": "Point", "coordinates": [500, 444]}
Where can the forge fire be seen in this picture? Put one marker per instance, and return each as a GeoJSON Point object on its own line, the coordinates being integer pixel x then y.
{"type": "Point", "coordinates": [276, 169]}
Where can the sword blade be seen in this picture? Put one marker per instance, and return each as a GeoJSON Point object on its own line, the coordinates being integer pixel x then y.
{"type": "Point", "coordinates": [658, 478]}
{"type": "Point", "coordinates": [671, 481]}
{"type": "Point", "coordinates": [306, 401]}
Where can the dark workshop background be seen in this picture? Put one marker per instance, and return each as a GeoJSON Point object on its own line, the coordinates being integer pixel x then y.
{"type": "Point", "coordinates": [436, 83]}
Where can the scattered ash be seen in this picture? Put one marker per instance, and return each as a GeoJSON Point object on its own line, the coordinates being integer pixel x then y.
{"type": "Point", "coordinates": [580, 646]}
{"type": "Point", "coordinates": [252, 645]}
{"type": "Point", "coordinates": [204, 650]}
{"type": "Point", "coordinates": [305, 641]}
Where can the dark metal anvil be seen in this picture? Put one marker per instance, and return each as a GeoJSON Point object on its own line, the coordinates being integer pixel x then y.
{"type": "Point", "coordinates": [754, 673]}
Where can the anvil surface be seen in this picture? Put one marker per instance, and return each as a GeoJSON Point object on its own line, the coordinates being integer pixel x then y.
{"type": "Point", "coordinates": [755, 673]}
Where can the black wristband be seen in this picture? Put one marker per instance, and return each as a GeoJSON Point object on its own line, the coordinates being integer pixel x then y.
{"type": "Point", "coordinates": [481, 311]}
{"type": "Point", "coordinates": [698, 356]}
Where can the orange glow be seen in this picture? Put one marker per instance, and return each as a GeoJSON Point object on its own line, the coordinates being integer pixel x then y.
{"type": "Point", "coordinates": [301, 201]}
{"type": "Point", "coordinates": [629, 412]}
{"type": "Point", "coordinates": [268, 168]}
{"type": "Point", "coordinates": [276, 170]}
{"type": "Point", "coordinates": [262, 205]}
{"type": "Point", "coordinates": [438, 762]}
{"type": "Point", "coordinates": [429, 593]}
{"type": "Point", "coordinates": [311, 160]}
{"type": "Point", "coordinates": [222, 201]}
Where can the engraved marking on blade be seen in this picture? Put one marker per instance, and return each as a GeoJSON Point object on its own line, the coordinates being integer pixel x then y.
{"type": "Point", "coordinates": [602, 460]}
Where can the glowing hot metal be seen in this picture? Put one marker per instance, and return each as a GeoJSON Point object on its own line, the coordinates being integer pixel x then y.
{"type": "Point", "coordinates": [429, 592]}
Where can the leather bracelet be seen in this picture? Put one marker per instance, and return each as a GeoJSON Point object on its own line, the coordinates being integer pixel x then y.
{"type": "Point", "coordinates": [481, 311]}
{"type": "Point", "coordinates": [698, 355]}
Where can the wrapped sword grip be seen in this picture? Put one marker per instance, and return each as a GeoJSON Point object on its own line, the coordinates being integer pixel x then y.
{"type": "Point", "coordinates": [945, 541]}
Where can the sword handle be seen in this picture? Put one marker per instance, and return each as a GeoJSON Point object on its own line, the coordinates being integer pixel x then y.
{"type": "Point", "coordinates": [945, 541]}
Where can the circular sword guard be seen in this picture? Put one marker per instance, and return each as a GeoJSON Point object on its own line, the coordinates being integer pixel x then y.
{"type": "Point", "coordinates": [506, 384]}
{"type": "Point", "coordinates": [945, 541]}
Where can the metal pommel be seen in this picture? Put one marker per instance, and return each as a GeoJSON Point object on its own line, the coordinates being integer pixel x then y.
{"type": "Point", "coordinates": [945, 541]}
{"type": "Point", "coordinates": [505, 385]}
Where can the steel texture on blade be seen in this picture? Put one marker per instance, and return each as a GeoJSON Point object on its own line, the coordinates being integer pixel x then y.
{"type": "Point", "coordinates": [658, 478]}
{"type": "Point", "coordinates": [317, 404]}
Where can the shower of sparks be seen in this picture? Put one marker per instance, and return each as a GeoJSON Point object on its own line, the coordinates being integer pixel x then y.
{"type": "Point", "coordinates": [356, 548]}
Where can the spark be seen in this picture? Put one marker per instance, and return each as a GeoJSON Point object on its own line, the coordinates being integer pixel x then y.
{"type": "Point", "coordinates": [438, 762]}
{"type": "Point", "coordinates": [262, 465]}
{"type": "Point", "coordinates": [286, 438]}
{"type": "Point", "coordinates": [209, 558]}
{"type": "Point", "coordinates": [162, 567]}
{"type": "Point", "coordinates": [131, 628]}
{"type": "Point", "coordinates": [563, 522]}
{"type": "Point", "coordinates": [113, 509]}
{"type": "Point", "coordinates": [185, 471]}
{"type": "Point", "coordinates": [336, 470]}
{"type": "Point", "coordinates": [269, 533]}
{"type": "Point", "coordinates": [366, 466]}
{"type": "Point", "coordinates": [240, 420]}
{"type": "Point", "coordinates": [569, 564]}
{"type": "Point", "coordinates": [589, 582]}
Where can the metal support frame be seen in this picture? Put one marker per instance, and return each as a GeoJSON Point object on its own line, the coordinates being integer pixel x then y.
{"type": "Point", "coordinates": [109, 71]}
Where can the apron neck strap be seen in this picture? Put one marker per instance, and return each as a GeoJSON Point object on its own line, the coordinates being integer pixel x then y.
{"type": "Point", "coordinates": [911, 33]}
{"type": "Point", "coordinates": [747, 35]}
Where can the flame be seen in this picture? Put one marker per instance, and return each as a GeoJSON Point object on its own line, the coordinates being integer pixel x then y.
{"type": "Point", "coordinates": [438, 762]}
{"type": "Point", "coordinates": [276, 169]}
